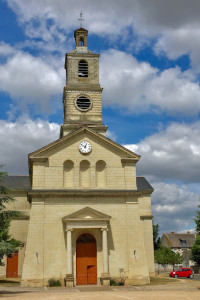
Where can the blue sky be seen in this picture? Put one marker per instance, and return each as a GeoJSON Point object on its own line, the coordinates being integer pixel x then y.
{"type": "Point", "coordinates": [150, 72]}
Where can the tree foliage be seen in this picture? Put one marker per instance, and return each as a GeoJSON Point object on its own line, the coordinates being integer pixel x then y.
{"type": "Point", "coordinates": [196, 251]}
{"type": "Point", "coordinates": [8, 245]}
{"type": "Point", "coordinates": [196, 247]}
{"type": "Point", "coordinates": [165, 256]}
{"type": "Point", "coordinates": [156, 238]}
{"type": "Point", "coordinates": [197, 220]}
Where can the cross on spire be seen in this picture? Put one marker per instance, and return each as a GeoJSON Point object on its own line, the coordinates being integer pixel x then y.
{"type": "Point", "coordinates": [81, 19]}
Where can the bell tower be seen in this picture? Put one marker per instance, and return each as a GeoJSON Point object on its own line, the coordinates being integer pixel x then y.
{"type": "Point", "coordinates": [82, 94]}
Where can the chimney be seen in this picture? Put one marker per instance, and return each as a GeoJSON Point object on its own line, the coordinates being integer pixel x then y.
{"type": "Point", "coordinates": [188, 232]}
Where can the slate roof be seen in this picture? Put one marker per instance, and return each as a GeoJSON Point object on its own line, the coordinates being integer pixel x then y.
{"type": "Point", "coordinates": [180, 240]}
{"type": "Point", "coordinates": [143, 184]}
{"type": "Point", "coordinates": [16, 182]}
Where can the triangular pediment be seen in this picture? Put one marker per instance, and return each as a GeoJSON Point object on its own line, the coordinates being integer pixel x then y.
{"type": "Point", "coordinates": [87, 214]}
{"type": "Point", "coordinates": [42, 153]}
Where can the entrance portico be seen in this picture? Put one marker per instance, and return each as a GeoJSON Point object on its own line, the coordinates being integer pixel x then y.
{"type": "Point", "coordinates": [85, 220]}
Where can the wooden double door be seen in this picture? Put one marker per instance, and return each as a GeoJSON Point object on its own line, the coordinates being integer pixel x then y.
{"type": "Point", "coordinates": [86, 260]}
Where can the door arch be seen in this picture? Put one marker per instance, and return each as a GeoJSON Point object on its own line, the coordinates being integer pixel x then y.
{"type": "Point", "coordinates": [86, 260]}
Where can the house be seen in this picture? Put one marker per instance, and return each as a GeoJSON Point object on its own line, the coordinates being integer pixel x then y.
{"type": "Point", "coordinates": [180, 243]}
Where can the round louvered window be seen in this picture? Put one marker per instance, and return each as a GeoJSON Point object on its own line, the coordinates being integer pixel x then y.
{"type": "Point", "coordinates": [83, 103]}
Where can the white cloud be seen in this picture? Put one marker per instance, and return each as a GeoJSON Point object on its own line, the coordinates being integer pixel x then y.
{"type": "Point", "coordinates": [174, 23]}
{"type": "Point", "coordinates": [111, 135]}
{"type": "Point", "coordinates": [149, 17]}
{"type": "Point", "coordinates": [100, 17]}
{"type": "Point", "coordinates": [173, 153]}
{"type": "Point", "coordinates": [139, 87]}
{"type": "Point", "coordinates": [169, 158]}
{"type": "Point", "coordinates": [127, 83]}
{"type": "Point", "coordinates": [6, 50]}
{"type": "Point", "coordinates": [173, 207]}
{"type": "Point", "coordinates": [30, 80]}
{"type": "Point", "coordinates": [182, 41]}
{"type": "Point", "coordinates": [20, 139]}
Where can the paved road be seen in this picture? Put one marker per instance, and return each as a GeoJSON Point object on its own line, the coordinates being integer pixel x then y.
{"type": "Point", "coordinates": [186, 290]}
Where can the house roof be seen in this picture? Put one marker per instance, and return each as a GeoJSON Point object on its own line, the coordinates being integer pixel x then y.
{"type": "Point", "coordinates": [16, 182]}
{"type": "Point", "coordinates": [180, 240]}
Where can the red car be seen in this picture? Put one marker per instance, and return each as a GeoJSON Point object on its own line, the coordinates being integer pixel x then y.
{"type": "Point", "coordinates": [182, 272]}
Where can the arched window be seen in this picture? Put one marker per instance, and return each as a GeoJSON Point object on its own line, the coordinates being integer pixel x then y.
{"type": "Point", "coordinates": [68, 174]}
{"type": "Point", "coordinates": [101, 174]}
{"type": "Point", "coordinates": [81, 41]}
{"type": "Point", "coordinates": [82, 68]}
{"type": "Point", "coordinates": [85, 174]}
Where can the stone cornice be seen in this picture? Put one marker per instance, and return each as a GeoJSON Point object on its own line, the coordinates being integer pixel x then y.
{"type": "Point", "coordinates": [39, 159]}
{"type": "Point", "coordinates": [84, 193]}
{"type": "Point", "coordinates": [82, 88]}
{"type": "Point", "coordinates": [128, 160]}
{"type": "Point", "coordinates": [80, 55]}
{"type": "Point", "coordinates": [146, 216]}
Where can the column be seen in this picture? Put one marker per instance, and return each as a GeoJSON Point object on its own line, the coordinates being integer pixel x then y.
{"type": "Point", "coordinates": [69, 251]}
{"type": "Point", "coordinates": [105, 250]}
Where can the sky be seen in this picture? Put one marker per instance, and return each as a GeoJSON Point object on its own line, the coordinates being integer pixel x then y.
{"type": "Point", "coordinates": [149, 71]}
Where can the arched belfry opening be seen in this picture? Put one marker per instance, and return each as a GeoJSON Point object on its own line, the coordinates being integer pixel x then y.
{"type": "Point", "coordinates": [81, 37]}
{"type": "Point", "coordinates": [82, 68]}
{"type": "Point", "coordinates": [86, 260]}
{"type": "Point", "coordinates": [81, 41]}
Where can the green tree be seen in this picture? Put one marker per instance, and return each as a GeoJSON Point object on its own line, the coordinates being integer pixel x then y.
{"type": "Point", "coordinates": [156, 238]}
{"type": "Point", "coordinates": [165, 256]}
{"type": "Point", "coordinates": [196, 247]}
{"type": "Point", "coordinates": [196, 250]}
{"type": "Point", "coordinates": [175, 258]}
{"type": "Point", "coordinates": [197, 220]}
{"type": "Point", "coordinates": [8, 245]}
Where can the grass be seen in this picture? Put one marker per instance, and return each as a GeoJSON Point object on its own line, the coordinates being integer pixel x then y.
{"type": "Point", "coordinates": [162, 279]}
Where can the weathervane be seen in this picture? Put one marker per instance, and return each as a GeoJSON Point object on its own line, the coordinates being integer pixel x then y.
{"type": "Point", "coordinates": [81, 19]}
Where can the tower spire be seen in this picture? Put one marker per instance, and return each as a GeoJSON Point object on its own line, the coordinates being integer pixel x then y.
{"type": "Point", "coordinates": [81, 19]}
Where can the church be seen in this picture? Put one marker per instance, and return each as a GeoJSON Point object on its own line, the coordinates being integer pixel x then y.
{"type": "Point", "coordinates": [87, 216]}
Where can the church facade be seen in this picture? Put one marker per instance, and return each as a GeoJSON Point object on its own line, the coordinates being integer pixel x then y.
{"type": "Point", "coordinates": [87, 216]}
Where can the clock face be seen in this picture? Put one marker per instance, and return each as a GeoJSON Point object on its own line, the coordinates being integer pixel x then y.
{"type": "Point", "coordinates": [85, 147]}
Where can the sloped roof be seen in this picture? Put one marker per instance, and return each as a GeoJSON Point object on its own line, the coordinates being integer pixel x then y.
{"type": "Point", "coordinates": [180, 240]}
{"type": "Point", "coordinates": [81, 29]}
{"type": "Point", "coordinates": [85, 129]}
{"type": "Point", "coordinates": [16, 182]}
{"type": "Point", "coordinates": [143, 184]}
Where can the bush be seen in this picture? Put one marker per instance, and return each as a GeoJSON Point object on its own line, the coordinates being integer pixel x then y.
{"type": "Point", "coordinates": [54, 282]}
{"type": "Point", "coordinates": [116, 283]}
{"type": "Point", "coordinates": [113, 282]}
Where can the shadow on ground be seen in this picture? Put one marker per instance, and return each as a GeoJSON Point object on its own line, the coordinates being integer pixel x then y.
{"type": "Point", "coordinates": [6, 292]}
